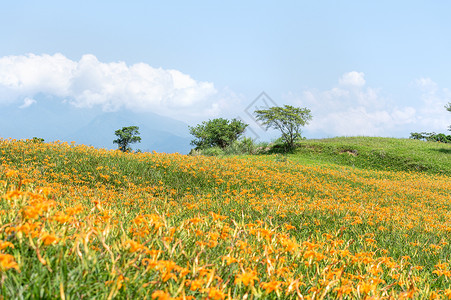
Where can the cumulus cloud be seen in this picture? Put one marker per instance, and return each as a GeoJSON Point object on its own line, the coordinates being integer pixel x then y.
{"type": "Point", "coordinates": [353, 121]}
{"type": "Point", "coordinates": [352, 108]}
{"type": "Point", "coordinates": [27, 102]}
{"type": "Point", "coordinates": [111, 86]}
{"type": "Point", "coordinates": [352, 79]}
{"type": "Point", "coordinates": [426, 85]}
{"type": "Point", "coordinates": [432, 114]}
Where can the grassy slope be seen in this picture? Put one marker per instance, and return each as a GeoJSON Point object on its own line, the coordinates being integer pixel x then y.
{"type": "Point", "coordinates": [381, 218]}
{"type": "Point", "coordinates": [377, 153]}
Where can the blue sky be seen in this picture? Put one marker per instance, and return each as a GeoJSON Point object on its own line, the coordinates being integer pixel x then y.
{"type": "Point", "coordinates": [364, 68]}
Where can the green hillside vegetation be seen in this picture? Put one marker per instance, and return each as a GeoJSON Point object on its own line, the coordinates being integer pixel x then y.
{"type": "Point", "coordinates": [376, 153]}
{"type": "Point", "coordinates": [79, 222]}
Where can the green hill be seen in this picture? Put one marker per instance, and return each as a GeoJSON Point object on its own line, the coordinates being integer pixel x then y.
{"type": "Point", "coordinates": [377, 153]}
{"type": "Point", "coordinates": [79, 222]}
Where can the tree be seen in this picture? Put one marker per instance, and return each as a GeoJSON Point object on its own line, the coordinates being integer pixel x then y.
{"type": "Point", "coordinates": [431, 137]}
{"type": "Point", "coordinates": [448, 108]}
{"type": "Point", "coordinates": [217, 132]}
{"type": "Point", "coordinates": [37, 140]}
{"type": "Point", "coordinates": [126, 136]}
{"type": "Point", "coordinates": [288, 120]}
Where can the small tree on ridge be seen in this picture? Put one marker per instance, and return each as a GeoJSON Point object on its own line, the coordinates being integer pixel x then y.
{"type": "Point", "coordinates": [448, 108]}
{"type": "Point", "coordinates": [127, 136]}
{"type": "Point", "coordinates": [288, 120]}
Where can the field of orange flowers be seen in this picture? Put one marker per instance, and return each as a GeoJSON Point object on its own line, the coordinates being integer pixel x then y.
{"type": "Point", "coordinates": [78, 222]}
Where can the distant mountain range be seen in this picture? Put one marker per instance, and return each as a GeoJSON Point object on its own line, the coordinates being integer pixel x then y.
{"type": "Point", "coordinates": [54, 120]}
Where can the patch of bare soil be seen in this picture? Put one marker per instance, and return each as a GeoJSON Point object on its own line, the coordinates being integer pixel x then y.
{"type": "Point", "coordinates": [350, 152]}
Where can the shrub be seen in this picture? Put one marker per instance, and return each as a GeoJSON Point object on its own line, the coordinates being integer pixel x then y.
{"type": "Point", "coordinates": [213, 151]}
{"type": "Point", "coordinates": [217, 133]}
{"type": "Point", "coordinates": [431, 137]}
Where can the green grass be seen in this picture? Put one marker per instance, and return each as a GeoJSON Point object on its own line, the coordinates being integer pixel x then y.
{"type": "Point", "coordinates": [376, 153]}
{"type": "Point", "coordinates": [110, 198]}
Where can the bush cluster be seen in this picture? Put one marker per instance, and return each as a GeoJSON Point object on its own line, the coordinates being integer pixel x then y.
{"type": "Point", "coordinates": [243, 146]}
{"type": "Point", "coordinates": [431, 137]}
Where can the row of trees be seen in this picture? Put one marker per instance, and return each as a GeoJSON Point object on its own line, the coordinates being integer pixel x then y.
{"type": "Point", "coordinates": [432, 136]}
{"type": "Point", "coordinates": [222, 132]}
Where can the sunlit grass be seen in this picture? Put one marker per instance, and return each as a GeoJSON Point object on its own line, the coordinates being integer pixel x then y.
{"type": "Point", "coordinates": [80, 222]}
{"type": "Point", "coordinates": [377, 153]}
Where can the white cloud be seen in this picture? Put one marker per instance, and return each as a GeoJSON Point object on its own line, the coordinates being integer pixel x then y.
{"type": "Point", "coordinates": [352, 79]}
{"type": "Point", "coordinates": [432, 114]}
{"type": "Point", "coordinates": [27, 102]}
{"type": "Point", "coordinates": [427, 85]}
{"type": "Point", "coordinates": [350, 108]}
{"type": "Point", "coordinates": [32, 74]}
{"type": "Point", "coordinates": [89, 82]}
{"type": "Point", "coordinates": [361, 120]}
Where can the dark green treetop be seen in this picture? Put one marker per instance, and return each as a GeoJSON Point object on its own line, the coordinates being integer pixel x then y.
{"type": "Point", "coordinates": [127, 136]}
{"type": "Point", "coordinates": [217, 132]}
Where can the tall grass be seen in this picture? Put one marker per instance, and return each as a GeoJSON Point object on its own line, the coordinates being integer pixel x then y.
{"type": "Point", "coordinates": [378, 153]}
{"type": "Point", "coordinates": [78, 222]}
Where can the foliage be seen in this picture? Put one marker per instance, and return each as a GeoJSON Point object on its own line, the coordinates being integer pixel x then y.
{"type": "Point", "coordinates": [77, 222]}
{"type": "Point", "coordinates": [217, 133]}
{"type": "Point", "coordinates": [212, 151]}
{"type": "Point", "coordinates": [37, 140]}
{"type": "Point", "coordinates": [448, 108]}
{"type": "Point", "coordinates": [418, 136]}
{"type": "Point", "coordinates": [127, 136]}
{"type": "Point", "coordinates": [431, 137]}
{"type": "Point", "coordinates": [242, 146]}
{"type": "Point", "coordinates": [288, 120]}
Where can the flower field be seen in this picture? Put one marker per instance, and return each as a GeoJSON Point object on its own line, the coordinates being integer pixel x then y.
{"type": "Point", "coordinates": [78, 222]}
